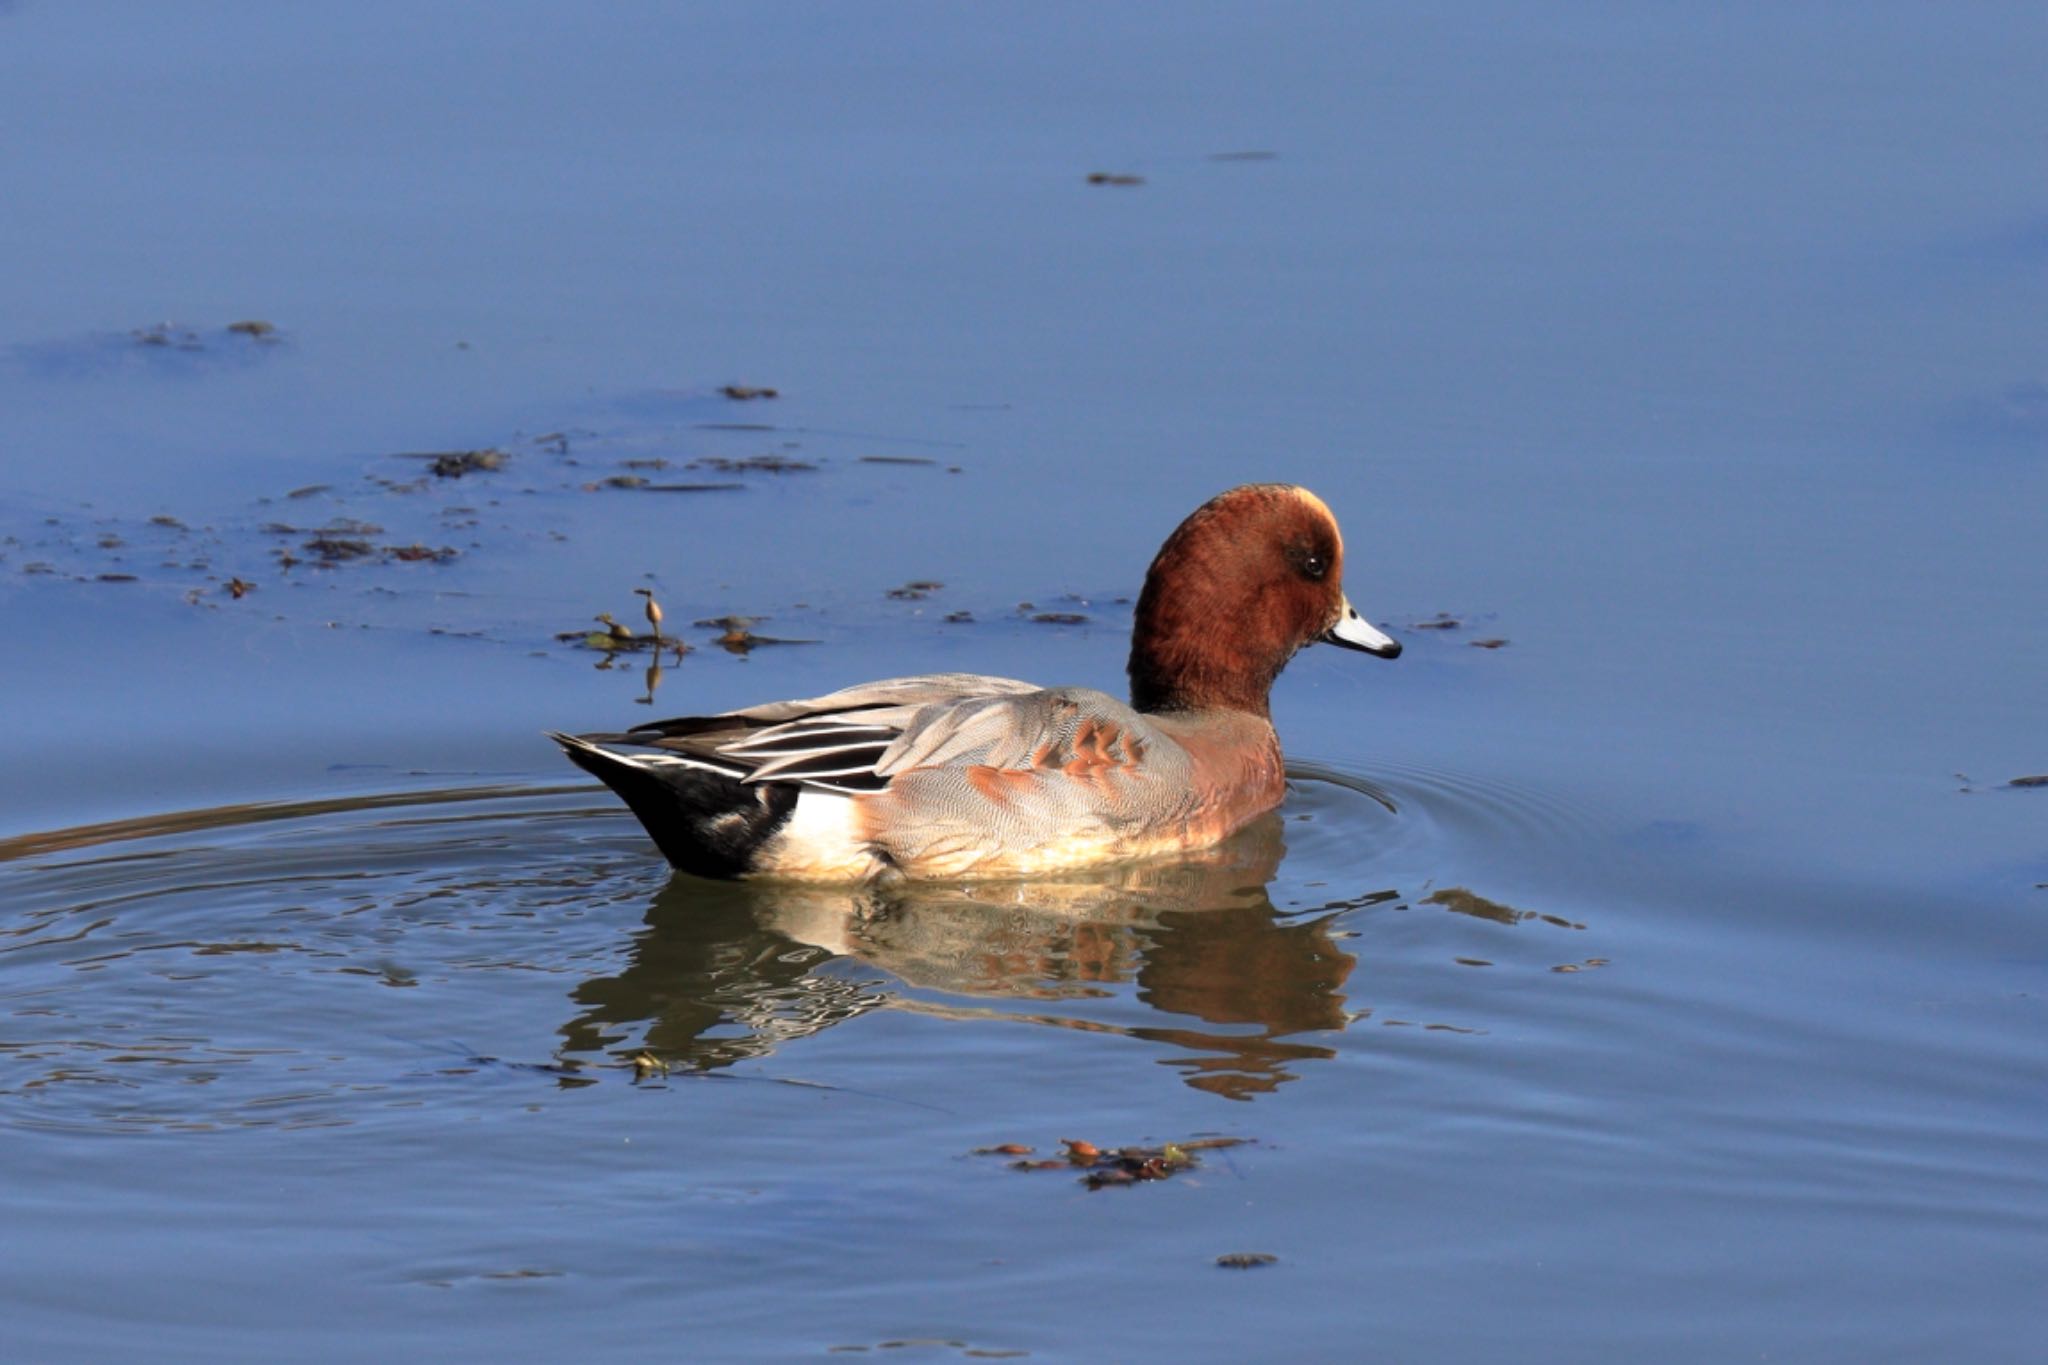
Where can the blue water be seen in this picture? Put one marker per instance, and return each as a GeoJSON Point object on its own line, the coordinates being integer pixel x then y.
{"type": "Point", "coordinates": [1667, 980]}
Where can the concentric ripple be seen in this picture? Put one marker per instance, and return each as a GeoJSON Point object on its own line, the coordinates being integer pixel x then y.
{"type": "Point", "coordinates": [342, 961]}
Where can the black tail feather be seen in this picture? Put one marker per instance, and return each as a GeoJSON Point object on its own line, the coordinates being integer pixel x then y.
{"type": "Point", "coordinates": [705, 823]}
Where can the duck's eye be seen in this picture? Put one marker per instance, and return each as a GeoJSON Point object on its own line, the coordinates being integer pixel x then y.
{"type": "Point", "coordinates": [1314, 566]}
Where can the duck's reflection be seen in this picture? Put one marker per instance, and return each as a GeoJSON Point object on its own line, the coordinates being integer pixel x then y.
{"type": "Point", "coordinates": [725, 972]}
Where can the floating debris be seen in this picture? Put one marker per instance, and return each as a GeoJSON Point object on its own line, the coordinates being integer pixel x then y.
{"type": "Point", "coordinates": [116, 578]}
{"type": "Point", "coordinates": [616, 638]}
{"type": "Point", "coordinates": [415, 553]}
{"type": "Point", "coordinates": [639, 483]}
{"type": "Point", "coordinates": [1101, 1166]}
{"type": "Point", "coordinates": [659, 641]}
{"type": "Point", "coordinates": [691, 487]}
{"type": "Point", "coordinates": [746, 393]}
{"type": "Point", "coordinates": [653, 612]}
{"type": "Point", "coordinates": [755, 464]}
{"type": "Point", "coordinates": [1488, 644]}
{"type": "Point", "coordinates": [2039, 780]}
{"type": "Point", "coordinates": [1443, 620]}
{"type": "Point", "coordinates": [960, 618]}
{"type": "Point", "coordinates": [739, 637]}
{"type": "Point", "coordinates": [1460, 901]}
{"type": "Point", "coordinates": [1114, 178]}
{"type": "Point", "coordinates": [895, 459]}
{"type": "Point", "coordinates": [740, 640]}
{"type": "Point", "coordinates": [1244, 156]}
{"type": "Point", "coordinates": [453, 464]}
{"type": "Point", "coordinates": [256, 328]}
{"type": "Point", "coordinates": [169, 522]}
{"type": "Point", "coordinates": [310, 490]}
{"type": "Point", "coordinates": [165, 334]}
{"type": "Point", "coordinates": [340, 526]}
{"type": "Point", "coordinates": [336, 549]}
{"type": "Point", "coordinates": [239, 588]}
{"type": "Point", "coordinates": [1246, 1260]}
{"type": "Point", "coordinates": [915, 591]}
{"type": "Point", "coordinates": [1059, 618]}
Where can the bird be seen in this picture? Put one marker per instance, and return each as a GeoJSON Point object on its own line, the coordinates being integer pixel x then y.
{"type": "Point", "coordinates": [960, 775]}
{"type": "Point", "coordinates": [618, 634]}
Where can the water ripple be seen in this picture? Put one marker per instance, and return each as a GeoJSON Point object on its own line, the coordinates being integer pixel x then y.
{"type": "Point", "coordinates": [313, 962]}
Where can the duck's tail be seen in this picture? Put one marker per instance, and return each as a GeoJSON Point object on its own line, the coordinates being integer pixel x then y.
{"type": "Point", "coordinates": [706, 822]}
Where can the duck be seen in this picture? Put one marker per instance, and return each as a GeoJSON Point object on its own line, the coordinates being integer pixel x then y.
{"type": "Point", "coordinates": [967, 776]}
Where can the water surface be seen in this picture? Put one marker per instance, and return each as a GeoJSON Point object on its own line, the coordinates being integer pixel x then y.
{"type": "Point", "coordinates": [1668, 979]}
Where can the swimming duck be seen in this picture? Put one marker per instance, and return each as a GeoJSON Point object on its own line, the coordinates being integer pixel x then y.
{"type": "Point", "coordinates": [961, 775]}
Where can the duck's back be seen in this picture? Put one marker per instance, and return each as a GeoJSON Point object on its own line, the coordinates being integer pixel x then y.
{"type": "Point", "coordinates": [937, 776]}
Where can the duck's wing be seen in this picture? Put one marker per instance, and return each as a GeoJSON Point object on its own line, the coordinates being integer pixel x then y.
{"type": "Point", "coordinates": [834, 742]}
{"type": "Point", "coordinates": [890, 693]}
{"type": "Point", "coordinates": [1070, 729]}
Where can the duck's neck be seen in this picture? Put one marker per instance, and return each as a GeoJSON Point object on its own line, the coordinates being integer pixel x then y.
{"type": "Point", "coordinates": [1179, 671]}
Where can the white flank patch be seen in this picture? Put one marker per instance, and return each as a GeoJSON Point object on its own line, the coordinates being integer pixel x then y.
{"type": "Point", "coordinates": [821, 824]}
{"type": "Point", "coordinates": [821, 839]}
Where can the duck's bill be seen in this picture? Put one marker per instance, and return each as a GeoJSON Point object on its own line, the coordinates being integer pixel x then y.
{"type": "Point", "coordinates": [1355, 632]}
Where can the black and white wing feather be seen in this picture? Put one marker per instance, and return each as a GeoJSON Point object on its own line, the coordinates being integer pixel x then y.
{"type": "Point", "coordinates": [842, 742]}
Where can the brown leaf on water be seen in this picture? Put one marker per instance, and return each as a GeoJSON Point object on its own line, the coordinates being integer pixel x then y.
{"type": "Point", "coordinates": [453, 464]}
{"type": "Point", "coordinates": [338, 548]}
{"type": "Point", "coordinates": [1100, 1166]}
{"type": "Point", "coordinates": [414, 553]}
{"type": "Point", "coordinates": [754, 464]}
